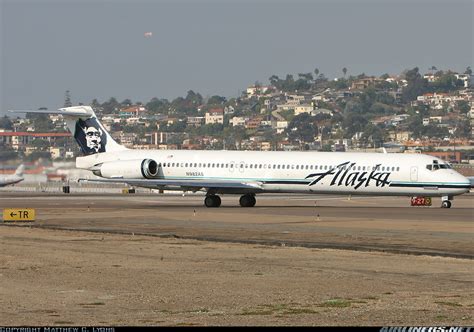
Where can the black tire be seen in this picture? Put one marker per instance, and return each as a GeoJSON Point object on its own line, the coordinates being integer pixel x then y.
{"type": "Point", "coordinates": [209, 201]}
{"type": "Point", "coordinates": [247, 201]}
{"type": "Point", "coordinates": [446, 204]}
{"type": "Point", "coordinates": [217, 201]}
{"type": "Point", "coordinates": [253, 201]}
{"type": "Point", "coordinates": [212, 201]}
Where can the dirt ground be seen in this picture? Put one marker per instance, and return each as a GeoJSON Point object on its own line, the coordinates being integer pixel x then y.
{"type": "Point", "coordinates": [56, 277]}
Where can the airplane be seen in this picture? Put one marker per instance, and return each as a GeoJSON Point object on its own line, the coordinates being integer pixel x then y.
{"type": "Point", "coordinates": [14, 178]}
{"type": "Point", "coordinates": [249, 173]}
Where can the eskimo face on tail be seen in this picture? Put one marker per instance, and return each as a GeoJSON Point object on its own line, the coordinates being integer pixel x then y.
{"type": "Point", "coordinates": [90, 136]}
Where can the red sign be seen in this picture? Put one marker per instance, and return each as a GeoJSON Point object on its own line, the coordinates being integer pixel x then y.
{"type": "Point", "coordinates": [421, 201]}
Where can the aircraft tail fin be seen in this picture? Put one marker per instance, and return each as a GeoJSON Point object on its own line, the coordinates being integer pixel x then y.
{"type": "Point", "coordinates": [88, 132]}
{"type": "Point", "coordinates": [20, 169]}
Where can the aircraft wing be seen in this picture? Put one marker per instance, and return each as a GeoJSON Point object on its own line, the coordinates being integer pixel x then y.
{"type": "Point", "coordinates": [194, 184]}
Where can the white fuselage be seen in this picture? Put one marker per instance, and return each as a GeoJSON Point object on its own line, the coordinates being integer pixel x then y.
{"type": "Point", "coordinates": [304, 172]}
{"type": "Point", "coordinates": [9, 180]}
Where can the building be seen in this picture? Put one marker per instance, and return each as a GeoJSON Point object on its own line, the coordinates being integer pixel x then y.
{"type": "Point", "coordinates": [195, 121]}
{"type": "Point", "coordinates": [128, 139]}
{"type": "Point", "coordinates": [465, 78]}
{"type": "Point", "coordinates": [365, 82]}
{"type": "Point", "coordinates": [238, 121]}
{"type": "Point", "coordinates": [303, 109]}
{"type": "Point", "coordinates": [57, 153]}
{"type": "Point", "coordinates": [281, 126]}
{"type": "Point", "coordinates": [253, 123]}
{"type": "Point", "coordinates": [256, 90]}
{"type": "Point", "coordinates": [19, 139]}
{"type": "Point", "coordinates": [215, 115]}
{"type": "Point", "coordinates": [133, 111]}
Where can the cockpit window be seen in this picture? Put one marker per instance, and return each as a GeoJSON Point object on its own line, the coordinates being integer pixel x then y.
{"type": "Point", "coordinates": [436, 165]}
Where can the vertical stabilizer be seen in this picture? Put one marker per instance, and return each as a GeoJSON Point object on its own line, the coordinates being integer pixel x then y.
{"type": "Point", "coordinates": [20, 169]}
{"type": "Point", "coordinates": [88, 132]}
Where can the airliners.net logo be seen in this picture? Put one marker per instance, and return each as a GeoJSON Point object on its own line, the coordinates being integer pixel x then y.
{"type": "Point", "coordinates": [426, 329]}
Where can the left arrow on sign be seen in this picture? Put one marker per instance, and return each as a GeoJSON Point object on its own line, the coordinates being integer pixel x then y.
{"type": "Point", "coordinates": [12, 214]}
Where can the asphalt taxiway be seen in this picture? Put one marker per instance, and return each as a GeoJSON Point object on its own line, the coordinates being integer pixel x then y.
{"type": "Point", "coordinates": [357, 223]}
{"type": "Point", "coordinates": [146, 259]}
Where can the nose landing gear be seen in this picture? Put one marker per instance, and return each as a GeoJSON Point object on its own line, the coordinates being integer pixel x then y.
{"type": "Point", "coordinates": [446, 202]}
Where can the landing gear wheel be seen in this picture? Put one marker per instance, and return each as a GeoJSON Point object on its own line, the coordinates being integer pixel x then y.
{"type": "Point", "coordinates": [247, 201]}
{"type": "Point", "coordinates": [446, 204]}
{"type": "Point", "coordinates": [212, 201]}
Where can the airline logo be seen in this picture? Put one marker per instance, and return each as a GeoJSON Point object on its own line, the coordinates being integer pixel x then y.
{"type": "Point", "coordinates": [348, 174]}
{"type": "Point", "coordinates": [90, 136]}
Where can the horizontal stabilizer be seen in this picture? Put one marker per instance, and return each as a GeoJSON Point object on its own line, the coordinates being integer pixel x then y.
{"type": "Point", "coordinates": [79, 111]}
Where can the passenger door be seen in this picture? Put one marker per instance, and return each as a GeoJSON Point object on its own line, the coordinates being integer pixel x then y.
{"type": "Point", "coordinates": [414, 174]}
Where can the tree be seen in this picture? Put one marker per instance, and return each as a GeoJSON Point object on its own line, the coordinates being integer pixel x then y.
{"type": "Point", "coordinates": [67, 99]}
{"type": "Point", "coordinates": [302, 128]}
{"type": "Point", "coordinates": [6, 123]}
{"type": "Point", "coordinates": [41, 122]}
{"type": "Point", "coordinates": [463, 129]}
{"type": "Point", "coordinates": [316, 72]}
{"type": "Point", "coordinates": [416, 85]}
{"type": "Point", "coordinates": [216, 100]}
{"type": "Point", "coordinates": [126, 103]}
{"type": "Point", "coordinates": [344, 71]}
{"type": "Point", "coordinates": [462, 105]}
{"type": "Point", "coordinates": [110, 106]}
{"type": "Point", "coordinates": [156, 106]}
{"type": "Point", "coordinates": [353, 123]}
{"type": "Point", "coordinates": [468, 71]}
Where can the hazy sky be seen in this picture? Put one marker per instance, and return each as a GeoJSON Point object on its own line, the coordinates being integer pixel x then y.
{"type": "Point", "coordinates": [97, 49]}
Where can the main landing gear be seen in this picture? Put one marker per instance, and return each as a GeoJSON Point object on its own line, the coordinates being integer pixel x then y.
{"type": "Point", "coordinates": [446, 202]}
{"type": "Point", "coordinates": [213, 200]}
{"type": "Point", "coordinates": [247, 200]}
